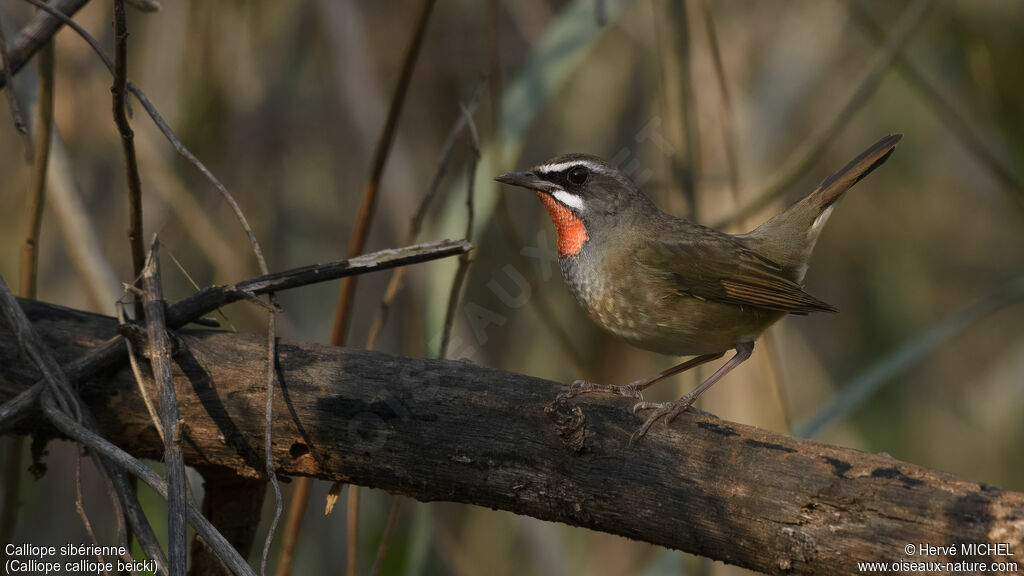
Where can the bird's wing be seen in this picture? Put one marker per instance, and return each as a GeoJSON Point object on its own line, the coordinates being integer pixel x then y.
{"type": "Point", "coordinates": [717, 267]}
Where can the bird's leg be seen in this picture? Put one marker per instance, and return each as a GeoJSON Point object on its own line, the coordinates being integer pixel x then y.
{"type": "Point", "coordinates": [669, 410]}
{"type": "Point", "coordinates": [634, 389]}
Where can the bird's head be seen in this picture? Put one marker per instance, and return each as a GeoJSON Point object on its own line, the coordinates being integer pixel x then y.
{"type": "Point", "coordinates": [582, 193]}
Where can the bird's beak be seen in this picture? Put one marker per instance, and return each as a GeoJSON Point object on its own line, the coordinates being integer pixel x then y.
{"type": "Point", "coordinates": [527, 180]}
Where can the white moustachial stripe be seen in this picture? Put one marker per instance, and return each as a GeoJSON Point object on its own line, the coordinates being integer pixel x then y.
{"type": "Point", "coordinates": [569, 199]}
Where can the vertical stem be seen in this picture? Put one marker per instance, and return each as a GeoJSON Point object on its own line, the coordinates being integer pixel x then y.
{"type": "Point", "coordinates": [41, 130]}
{"type": "Point", "coordinates": [342, 317]}
{"type": "Point", "coordinates": [118, 90]}
{"type": "Point", "coordinates": [352, 520]}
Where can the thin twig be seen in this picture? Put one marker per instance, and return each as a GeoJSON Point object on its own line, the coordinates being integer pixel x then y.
{"type": "Point", "coordinates": [140, 377]}
{"type": "Point", "coordinates": [160, 360]}
{"type": "Point", "coordinates": [271, 469]}
{"type": "Point", "coordinates": [293, 526]}
{"type": "Point", "coordinates": [118, 90]}
{"type": "Point", "coordinates": [196, 287]}
{"type": "Point", "coordinates": [963, 129]}
{"type": "Point", "coordinates": [80, 506]}
{"type": "Point", "coordinates": [805, 156]}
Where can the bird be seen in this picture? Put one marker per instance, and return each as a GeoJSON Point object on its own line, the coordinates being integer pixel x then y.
{"type": "Point", "coordinates": [672, 286]}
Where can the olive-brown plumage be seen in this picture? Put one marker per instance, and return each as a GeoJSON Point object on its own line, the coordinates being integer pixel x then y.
{"type": "Point", "coordinates": [671, 286]}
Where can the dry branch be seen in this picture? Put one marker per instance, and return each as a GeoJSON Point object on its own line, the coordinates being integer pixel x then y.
{"type": "Point", "coordinates": [120, 108]}
{"type": "Point", "coordinates": [442, 430]}
{"type": "Point", "coordinates": [37, 33]}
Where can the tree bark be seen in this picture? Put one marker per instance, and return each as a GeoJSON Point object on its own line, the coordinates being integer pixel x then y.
{"type": "Point", "coordinates": [448, 430]}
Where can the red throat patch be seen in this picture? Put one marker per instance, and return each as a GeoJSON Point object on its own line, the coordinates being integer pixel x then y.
{"type": "Point", "coordinates": [571, 231]}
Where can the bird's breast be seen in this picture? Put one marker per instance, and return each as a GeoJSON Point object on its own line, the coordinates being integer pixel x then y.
{"type": "Point", "coordinates": [602, 297]}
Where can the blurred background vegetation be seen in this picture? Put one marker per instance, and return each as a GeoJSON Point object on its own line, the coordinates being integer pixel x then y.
{"type": "Point", "coordinates": [284, 101]}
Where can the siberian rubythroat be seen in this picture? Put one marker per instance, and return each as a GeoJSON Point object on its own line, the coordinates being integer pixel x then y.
{"type": "Point", "coordinates": [671, 286]}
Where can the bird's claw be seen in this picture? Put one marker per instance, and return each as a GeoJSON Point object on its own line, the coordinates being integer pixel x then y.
{"type": "Point", "coordinates": [666, 410]}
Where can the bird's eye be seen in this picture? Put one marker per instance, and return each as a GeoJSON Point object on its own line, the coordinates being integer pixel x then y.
{"type": "Point", "coordinates": [578, 175]}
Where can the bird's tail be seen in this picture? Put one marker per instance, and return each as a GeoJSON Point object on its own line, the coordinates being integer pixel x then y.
{"type": "Point", "coordinates": [789, 237]}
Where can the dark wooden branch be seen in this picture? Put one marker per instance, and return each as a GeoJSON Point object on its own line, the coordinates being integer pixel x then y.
{"type": "Point", "coordinates": [441, 430]}
{"type": "Point", "coordinates": [37, 33]}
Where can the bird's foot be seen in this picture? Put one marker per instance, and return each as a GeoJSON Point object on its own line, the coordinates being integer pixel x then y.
{"type": "Point", "coordinates": [584, 387]}
{"type": "Point", "coordinates": [666, 410]}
